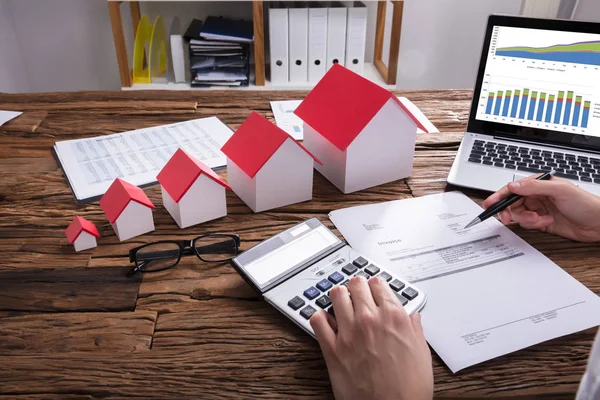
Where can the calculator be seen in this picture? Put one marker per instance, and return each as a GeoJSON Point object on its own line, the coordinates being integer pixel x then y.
{"type": "Point", "coordinates": [296, 269]}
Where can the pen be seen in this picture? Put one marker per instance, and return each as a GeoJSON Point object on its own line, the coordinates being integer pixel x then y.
{"type": "Point", "coordinates": [503, 204]}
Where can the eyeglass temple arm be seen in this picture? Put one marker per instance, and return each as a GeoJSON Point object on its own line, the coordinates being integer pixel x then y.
{"type": "Point", "coordinates": [223, 246]}
{"type": "Point", "coordinates": [136, 269]}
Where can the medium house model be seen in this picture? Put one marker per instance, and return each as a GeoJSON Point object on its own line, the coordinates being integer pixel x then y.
{"type": "Point", "coordinates": [82, 234]}
{"type": "Point", "coordinates": [191, 191]}
{"type": "Point", "coordinates": [360, 131]}
{"type": "Point", "coordinates": [128, 209]}
{"type": "Point", "coordinates": [266, 167]}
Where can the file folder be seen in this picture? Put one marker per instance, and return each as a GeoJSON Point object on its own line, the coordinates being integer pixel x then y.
{"type": "Point", "coordinates": [141, 69]}
{"type": "Point", "coordinates": [336, 35]}
{"type": "Point", "coordinates": [158, 52]}
{"type": "Point", "coordinates": [298, 34]}
{"type": "Point", "coordinates": [278, 41]}
{"type": "Point", "coordinates": [356, 35]}
{"type": "Point", "coordinates": [317, 43]}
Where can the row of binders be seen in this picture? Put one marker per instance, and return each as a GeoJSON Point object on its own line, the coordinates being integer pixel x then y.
{"type": "Point", "coordinates": [306, 39]}
{"type": "Point", "coordinates": [219, 51]}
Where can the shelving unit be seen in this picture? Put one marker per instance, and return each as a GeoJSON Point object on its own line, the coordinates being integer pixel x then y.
{"type": "Point", "coordinates": [377, 71]}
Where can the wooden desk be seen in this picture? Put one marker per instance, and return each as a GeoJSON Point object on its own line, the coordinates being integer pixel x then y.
{"type": "Point", "coordinates": [72, 324]}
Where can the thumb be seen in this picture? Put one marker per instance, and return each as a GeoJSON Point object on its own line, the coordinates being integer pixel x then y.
{"type": "Point", "coordinates": [533, 187]}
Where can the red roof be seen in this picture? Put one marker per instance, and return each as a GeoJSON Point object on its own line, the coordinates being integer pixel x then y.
{"type": "Point", "coordinates": [255, 141]}
{"type": "Point", "coordinates": [118, 196]}
{"type": "Point", "coordinates": [342, 104]}
{"type": "Point", "coordinates": [180, 173]}
{"type": "Point", "coordinates": [79, 225]}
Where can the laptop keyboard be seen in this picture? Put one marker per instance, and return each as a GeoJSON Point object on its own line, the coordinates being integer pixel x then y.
{"type": "Point", "coordinates": [520, 158]}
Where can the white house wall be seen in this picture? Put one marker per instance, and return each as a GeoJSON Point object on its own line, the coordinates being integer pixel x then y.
{"type": "Point", "coordinates": [384, 150]}
{"type": "Point", "coordinates": [285, 179]}
{"type": "Point", "coordinates": [333, 159]}
{"type": "Point", "coordinates": [241, 184]}
{"type": "Point", "coordinates": [204, 200]}
{"type": "Point", "coordinates": [135, 220]}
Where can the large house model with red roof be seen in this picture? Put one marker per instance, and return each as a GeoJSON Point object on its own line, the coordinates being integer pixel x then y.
{"type": "Point", "coordinates": [82, 234]}
{"type": "Point", "coordinates": [191, 191]}
{"type": "Point", "coordinates": [360, 131]}
{"type": "Point", "coordinates": [266, 167]}
{"type": "Point", "coordinates": [128, 209]}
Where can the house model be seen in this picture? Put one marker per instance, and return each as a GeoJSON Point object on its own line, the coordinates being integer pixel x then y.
{"type": "Point", "coordinates": [128, 209]}
{"type": "Point", "coordinates": [82, 234]}
{"type": "Point", "coordinates": [360, 131]}
{"type": "Point", "coordinates": [266, 167]}
{"type": "Point", "coordinates": [191, 191]}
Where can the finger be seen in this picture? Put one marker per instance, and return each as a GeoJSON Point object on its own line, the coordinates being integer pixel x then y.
{"type": "Point", "coordinates": [342, 306]}
{"type": "Point", "coordinates": [505, 217]}
{"type": "Point", "coordinates": [381, 292]}
{"type": "Point", "coordinates": [325, 335]}
{"type": "Point", "coordinates": [533, 220]}
{"type": "Point", "coordinates": [360, 293]}
{"type": "Point", "coordinates": [332, 322]}
{"type": "Point", "coordinates": [504, 192]}
{"type": "Point", "coordinates": [554, 187]}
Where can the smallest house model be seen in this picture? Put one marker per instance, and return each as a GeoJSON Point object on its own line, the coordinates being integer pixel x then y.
{"type": "Point", "coordinates": [82, 234]}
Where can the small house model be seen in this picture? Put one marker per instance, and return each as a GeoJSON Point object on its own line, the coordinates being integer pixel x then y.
{"type": "Point", "coordinates": [266, 167]}
{"type": "Point", "coordinates": [128, 209]}
{"type": "Point", "coordinates": [361, 132]}
{"type": "Point", "coordinates": [191, 191]}
{"type": "Point", "coordinates": [82, 234]}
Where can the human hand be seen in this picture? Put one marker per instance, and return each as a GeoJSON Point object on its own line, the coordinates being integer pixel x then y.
{"type": "Point", "coordinates": [379, 352]}
{"type": "Point", "coordinates": [556, 206]}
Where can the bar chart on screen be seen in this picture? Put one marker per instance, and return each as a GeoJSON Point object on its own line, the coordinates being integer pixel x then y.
{"type": "Point", "coordinates": [542, 79]}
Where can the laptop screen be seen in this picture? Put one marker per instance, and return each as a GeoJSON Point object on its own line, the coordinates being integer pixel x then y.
{"type": "Point", "coordinates": [540, 79]}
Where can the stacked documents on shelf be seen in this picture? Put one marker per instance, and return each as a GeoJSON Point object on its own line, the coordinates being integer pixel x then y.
{"type": "Point", "coordinates": [306, 39]}
{"type": "Point", "coordinates": [214, 61]}
{"type": "Point", "coordinates": [92, 164]}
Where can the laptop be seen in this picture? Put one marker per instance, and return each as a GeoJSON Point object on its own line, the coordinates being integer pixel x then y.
{"type": "Point", "coordinates": [536, 105]}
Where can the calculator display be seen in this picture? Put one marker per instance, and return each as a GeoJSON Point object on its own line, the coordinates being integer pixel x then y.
{"type": "Point", "coordinates": [283, 254]}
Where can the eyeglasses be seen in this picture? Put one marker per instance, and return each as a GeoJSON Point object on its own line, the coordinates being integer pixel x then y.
{"type": "Point", "coordinates": [158, 256]}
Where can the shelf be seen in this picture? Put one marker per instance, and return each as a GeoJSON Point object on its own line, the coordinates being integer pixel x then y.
{"type": "Point", "coordinates": [370, 73]}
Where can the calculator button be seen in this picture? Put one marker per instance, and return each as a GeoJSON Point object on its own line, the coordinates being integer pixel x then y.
{"type": "Point", "coordinates": [324, 285]}
{"type": "Point", "coordinates": [296, 303]}
{"type": "Point", "coordinates": [360, 262]}
{"type": "Point", "coordinates": [307, 312]}
{"type": "Point", "coordinates": [372, 270]}
{"type": "Point", "coordinates": [336, 277]}
{"type": "Point", "coordinates": [311, 293]}
{"type": "Point", "coordinates": [331, 311]}
{"type": "Point", "coordinates": [363, 274]}
{"type": "Point", "coordinates": [410, 293]}
{"type": "Point", "coordinates": [349, 269]}
{"type": "Point", "coordinates": [397, 285]}
{"type": "Point", "coordinates": [323, 301]}
{"type": "Point", "coordinates": [402, 299]}
{"type": "Point", "coordinates": [385, 276]}
{"type": "Point", "coordinates": [345, 283]}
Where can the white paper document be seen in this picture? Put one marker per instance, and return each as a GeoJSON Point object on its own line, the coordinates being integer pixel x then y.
{"type": "Point", "coordinates": [137, 156]}
{"type": "Point", "coordinates": [6, 116]}
{"type": "Point", "coordinates": [283, 111]}
{"type": "Point", "coordinates": [489, 293]}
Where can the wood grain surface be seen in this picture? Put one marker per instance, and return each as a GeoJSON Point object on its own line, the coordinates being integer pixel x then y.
{"type": "Point", "coordinates": [73, 326]}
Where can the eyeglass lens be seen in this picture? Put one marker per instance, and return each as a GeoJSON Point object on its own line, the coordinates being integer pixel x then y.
{"type": "Point", "coordinates": [158, 256]}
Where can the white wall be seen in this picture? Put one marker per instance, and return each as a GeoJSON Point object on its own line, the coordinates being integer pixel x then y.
{"type": "Point", "coordinates": [588, 10]}
{"type": "Point", "coordinates": [441, 41]}
{"type": "Point", "coordinates": [12, 77]}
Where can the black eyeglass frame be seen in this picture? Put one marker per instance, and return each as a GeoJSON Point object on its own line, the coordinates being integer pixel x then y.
{"type": "Point", "coordinates": [186, 248]}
